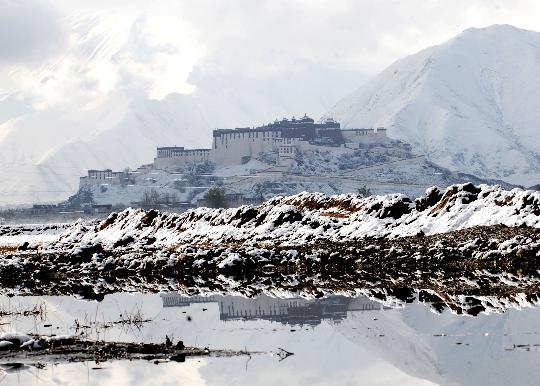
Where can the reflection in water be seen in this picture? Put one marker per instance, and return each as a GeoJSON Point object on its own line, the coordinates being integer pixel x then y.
{"type": "Point", "coordinates": [294, 311]}
{"type": "Point", "coordinates": [336, 340]}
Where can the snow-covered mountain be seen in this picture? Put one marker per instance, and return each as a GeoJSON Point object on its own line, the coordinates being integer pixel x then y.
{"type": "Point", "coordinates": [469, 104]}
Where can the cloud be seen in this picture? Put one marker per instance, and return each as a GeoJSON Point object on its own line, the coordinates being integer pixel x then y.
{"type": "Point", "coordinates": [151, 48]}
{"type": "Point", "coordinates": [157, 56]}
{"type": "Point", "coordinates": [268, 37]}
{"type": "Point", "coordinates": [135, 52]}
{"type": "Point", "coordinates": [30, 31]}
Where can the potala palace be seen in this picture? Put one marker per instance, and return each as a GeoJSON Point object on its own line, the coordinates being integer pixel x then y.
{"type": "Point", "coordinates": [251, 164]}
{"type": "Point", "coordinates": [286, 138]}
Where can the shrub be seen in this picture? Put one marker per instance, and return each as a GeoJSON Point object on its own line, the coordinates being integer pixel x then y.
{"type": "Point", "coordinates": [215, 198]}
{"type": "Point", "coordinates": [364, 191]}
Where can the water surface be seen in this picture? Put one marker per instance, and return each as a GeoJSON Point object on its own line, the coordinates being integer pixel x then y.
{"type": "Point", "coordinates": [335, 340]}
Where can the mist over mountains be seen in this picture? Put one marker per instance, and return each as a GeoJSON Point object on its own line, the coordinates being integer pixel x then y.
{"type": "Point", "coordinates": [117, 123]}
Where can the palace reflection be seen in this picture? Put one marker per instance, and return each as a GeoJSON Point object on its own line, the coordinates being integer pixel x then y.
{"type": "Point", "coordinates": [293, 311]}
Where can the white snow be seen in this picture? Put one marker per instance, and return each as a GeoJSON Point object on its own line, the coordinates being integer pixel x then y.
{"type": "Point", "coordinates": [14, 235]}
{"type": "Point", "coordinates": [11, 336]}
{"type": "Point", "coordinates": [469, 104]}
{"type": "Point", "coordinates": [4, 344]}
{"type": "Point", "coordinates": [310, 217]}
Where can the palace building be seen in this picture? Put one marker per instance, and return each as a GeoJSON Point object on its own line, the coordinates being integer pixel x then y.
{"type": "Point", "coordinates": [285, 138]}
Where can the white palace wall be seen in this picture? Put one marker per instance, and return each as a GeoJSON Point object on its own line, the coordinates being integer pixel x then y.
{"type": "Point", "coordinates": [229, 148]}
{"type": "Point", "coordinates": [363, 135]}
{"type": "Point", "coordinates": [182, 158]}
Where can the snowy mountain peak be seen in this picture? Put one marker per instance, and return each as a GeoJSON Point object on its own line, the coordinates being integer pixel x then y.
{"type": "Point", "coordinates": [494, 29]}
{"type": "Point", "coordinates": [469, 104]}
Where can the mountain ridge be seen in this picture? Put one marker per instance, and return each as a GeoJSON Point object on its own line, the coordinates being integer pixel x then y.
{"type": "Point", "coordinates": [465, 104]}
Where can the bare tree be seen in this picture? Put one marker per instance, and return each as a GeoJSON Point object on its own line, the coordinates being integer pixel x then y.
{"type": "Point", "coordinates": [150, 197]}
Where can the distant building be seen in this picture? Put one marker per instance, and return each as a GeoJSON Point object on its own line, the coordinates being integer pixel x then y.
{"type": "Point", "coordinates": [101, 177]}
{"type": "Point", "coordinates": [171, 157]}
{"type": "Point", "coordinates": [286, 154]}
{"type": "Point", "coordinates": [232, 146]}
{"type": "Point", "coordinates": [286, 138]}
{"type": "Point", "coordinates": [43, 209]}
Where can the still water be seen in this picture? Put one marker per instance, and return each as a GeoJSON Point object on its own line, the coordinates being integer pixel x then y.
{"type": "Point", "coordinates": [333, 341]}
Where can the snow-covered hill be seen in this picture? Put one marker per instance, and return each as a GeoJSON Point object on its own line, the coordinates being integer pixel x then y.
{"type": "Point", "coordinates": [303, 218]}
{"type": "Point", "coordinates": [469, 104]}
{"type": "Point", "coordinates": [312, 217]}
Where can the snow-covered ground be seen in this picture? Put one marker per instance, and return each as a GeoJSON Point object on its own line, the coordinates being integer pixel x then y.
{"type": "Point", "coordinates": [465, 241]}
{"type": "Point", "coordinates": [298, 219]}
{"type": "Point", "coordinates": [11, 235]}
{"type": "Point", "coordinates": [310, 217]}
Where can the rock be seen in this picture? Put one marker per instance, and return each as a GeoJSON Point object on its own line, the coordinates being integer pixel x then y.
{"type": "Point", "coordinates": [24, 246]}
{"type": "Point", "coordinates": [6, 345]}
{"type": "Point", "coordinates": [178, 358]}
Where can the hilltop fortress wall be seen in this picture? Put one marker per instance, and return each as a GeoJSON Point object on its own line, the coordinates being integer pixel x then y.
{"type": "Point", "coordinates": [173, 157]}
{"type": "Point", "coordinates": [356, 136]}
{"type": "Point", "coordinates": [231, 147]}
{"type": "Point", "coordinates": [286, 138]}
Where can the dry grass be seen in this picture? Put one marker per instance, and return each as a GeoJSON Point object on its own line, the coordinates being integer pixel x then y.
{"type": "Point", "coordinates": [335, 214]}
{"type": "Point", "coordinates": [8, 248]}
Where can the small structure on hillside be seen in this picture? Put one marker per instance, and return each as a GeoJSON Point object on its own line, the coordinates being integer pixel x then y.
{"type": "Point", "coordinates": [101, 177]}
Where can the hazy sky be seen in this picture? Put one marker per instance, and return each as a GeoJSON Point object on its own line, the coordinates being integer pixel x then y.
{"type": "Point", "coordinates": [87, 49]}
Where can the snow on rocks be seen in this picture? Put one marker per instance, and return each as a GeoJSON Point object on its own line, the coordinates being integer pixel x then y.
{"type": "Point", "coordinates": [13, 336]}
{"type": "Point", "coordinates": [31, 234]}
{"type": "Point", "coordinates": [5, 344]}
{"type": "Point", "coordinates": [309, 218]}
{"type": "Point", "coordinates": [12, 340]}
